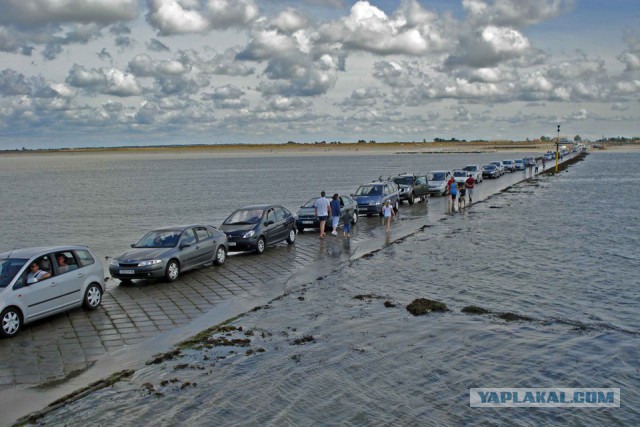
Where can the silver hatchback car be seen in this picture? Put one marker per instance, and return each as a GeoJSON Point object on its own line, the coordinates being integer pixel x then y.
{"type": "Point", "coordinates": [38, 282]}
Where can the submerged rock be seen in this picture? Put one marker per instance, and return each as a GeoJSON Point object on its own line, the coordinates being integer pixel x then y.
{"type": "Point", "coordinates": [304, 340]}
{"type": "Point", "coordinates": [389, 304]}
{"type": "Point", "coordinates": [421, 306]}
{"type": "Point", "coordinates": [511, 317]}
{"type": "Point", "coordinates": [474, 309]}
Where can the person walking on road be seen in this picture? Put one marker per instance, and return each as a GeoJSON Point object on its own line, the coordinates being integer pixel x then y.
{"type": "Point", "coordinates": [335, 213]}
{"type": "Point", "coordinates": [470, 183]}
{"type": "Point", "coordinates": [388, 213]}
{"type": "Point", "coordinates": [322, 209]}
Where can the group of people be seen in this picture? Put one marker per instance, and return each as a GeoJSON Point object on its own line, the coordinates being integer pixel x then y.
{"type": "Point", "coordinates": [325, 208]}
{"type": "Point", "coordinates": [458, 193]}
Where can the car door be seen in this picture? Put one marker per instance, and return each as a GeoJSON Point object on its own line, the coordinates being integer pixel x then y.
{"type": "Point", "coordinates": [270, 226]}
{"type": "Point", "coordinates": [69, 278]}
{"type": "Point", "coordinates": [421, 187]}
{"type": "Point", "coordinates": [188, 249]}
{"type": "Point", "coordinates": [39, 298]}
{"type": "Point", "coordinates": [281, 221]}
{"type": "Point", "coordinates": [205, 248]}
{"type": "Point", "coordinates": [346, 206]}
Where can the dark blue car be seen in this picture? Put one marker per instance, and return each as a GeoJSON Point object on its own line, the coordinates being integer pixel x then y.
{"type": "Point", "coordinates": [370, 197]}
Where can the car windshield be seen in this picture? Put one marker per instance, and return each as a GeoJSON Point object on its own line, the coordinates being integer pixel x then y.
{"type": "Point", "coordinates": [438, 176]}
{"type": "Point", "coordinates": [311, 203]}
{"type": "Point", "coordinates": [490, 167]}
{"type": "Point", "coordinates": [403, 180]}
{"type": "Point", "coordinates": [495, 163]}
{"type": "Point", "coordinates": [506, 162]}
{"type": "Point", "coordinates": [244, 217]}
{"type": "Point", "coordinates": [159, 239]}
{"type": "Point", "coordinates": [369, 190]}
{"type": "Point", "coordinates": [9, 267]}
{"type": "Point", "coordinates": [519, 161]}
{"type": "Point", "coordinates": [471, 168]}
{"type": "Point", "coordinates": [460, 174]}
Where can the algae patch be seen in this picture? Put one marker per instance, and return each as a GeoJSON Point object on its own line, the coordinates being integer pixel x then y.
{"type": "Point", "coordinates": [421, 306]}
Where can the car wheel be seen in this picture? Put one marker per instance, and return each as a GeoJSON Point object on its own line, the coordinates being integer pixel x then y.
{"type": "Point", "coordinates": [92, 297]}
{"type": "Point", "coordinates": [221, 255]}
{"type": "Point", "coordinates": [354, 217]}
{"type": "Point", "coordinates": [11, 322]}
{"type": "Point", "coordinates": [412, 199]}
{"type": "Point", "coordinates": [173, 271]}
{"type": "Point", "coordinates": [300, 229]}
{"type": "Point", "coordinates": [260, 245]}
{"type": "Point", "coordinates": [292, 236]}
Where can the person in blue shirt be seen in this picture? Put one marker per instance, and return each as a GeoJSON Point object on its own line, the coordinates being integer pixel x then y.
{"type": "Point", "coordinates": [335, 213]}
{"type": "Point", "coordinates": [453, 190]}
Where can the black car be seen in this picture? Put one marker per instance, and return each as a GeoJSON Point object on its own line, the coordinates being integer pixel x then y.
{"type": "Point", "coordinates": [490, 171]}
{"type": "Point", "coordinates": [306, 216]}
{"type": "Point", "coordinates": [166, 252]}
{"type": "Point", "coordinates": [412, 187]}
{"type": "Point", "coordinates": [252, 228]}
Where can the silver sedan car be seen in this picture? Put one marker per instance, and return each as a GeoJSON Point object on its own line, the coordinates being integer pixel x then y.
{"type": "Point", "coordinates": [166, 252]}
{"type": "Point", "coordinates": [38, 282]}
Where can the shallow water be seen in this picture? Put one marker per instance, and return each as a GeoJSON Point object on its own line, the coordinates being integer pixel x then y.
{"type": "Point", "coordinates": [561, 250]}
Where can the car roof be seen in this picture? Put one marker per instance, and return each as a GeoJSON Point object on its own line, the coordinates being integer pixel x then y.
{"type": "Point", "coordinates": [30, 252]}
{"type": "Point", "coordinates": [263, 206]}
{"type": "Point", "coordinates": [179, 227]}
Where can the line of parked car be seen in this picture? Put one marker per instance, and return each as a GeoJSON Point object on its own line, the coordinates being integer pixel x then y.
{"type": "Point", "coordinates": [71, 276]}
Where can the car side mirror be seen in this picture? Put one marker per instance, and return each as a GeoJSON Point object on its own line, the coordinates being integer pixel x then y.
{"type": "Point", "coordinates": [31, 280]}
{"type": "Point", "coordinates": [133, 245]}
{"type": "Point", "coordinates": [184, 245]}
{"type": "Point", "coordinates": [268, 223]}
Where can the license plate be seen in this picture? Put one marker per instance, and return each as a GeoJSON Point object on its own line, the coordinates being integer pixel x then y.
{"type": "Point", "coordinates": [126, 271]}
{"type": "Point", "coordinates": [307, 222]}
{"type": "Point", "coordinates": [232, 243]}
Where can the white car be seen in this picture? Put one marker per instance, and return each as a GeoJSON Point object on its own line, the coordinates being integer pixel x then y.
{"type": "Point", "coordinates": [438, 182]}
{"type": "Point", "coordinates": [39, 282]}
{"type": "Point", "coordinates": [475, 171]}
{"type": "Point", "coordinates": [460, 175]}
{"type": "Point", "coordinates": [509, 165]}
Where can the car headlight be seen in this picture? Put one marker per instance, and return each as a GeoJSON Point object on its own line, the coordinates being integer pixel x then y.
{"type": "Point", "coordinates": [149, 262]}
{"type": "Point", "coordinates": [378, 203]}
{"type": "Point", "coordinates": [249, 234]}
{"type": "Point", "coordinates": [114, 262]}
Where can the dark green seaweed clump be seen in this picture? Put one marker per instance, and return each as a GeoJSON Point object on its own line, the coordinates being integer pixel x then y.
{"type": "Point", "coordinates": [474, 309]}
{"type": "Point", "coordinates": [421, 306]}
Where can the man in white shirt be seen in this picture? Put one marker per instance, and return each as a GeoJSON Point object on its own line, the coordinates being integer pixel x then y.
{"type": "Point", "coordinates": [322, 211]}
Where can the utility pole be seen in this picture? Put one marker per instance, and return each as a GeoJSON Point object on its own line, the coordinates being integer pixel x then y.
{"type": "Point", "coordinates": [557, 148]}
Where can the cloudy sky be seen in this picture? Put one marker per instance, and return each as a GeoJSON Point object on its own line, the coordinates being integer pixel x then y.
{"type": "Point", "coordinates": [145, 72]}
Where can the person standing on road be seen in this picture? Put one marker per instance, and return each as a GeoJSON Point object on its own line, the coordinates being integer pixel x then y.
{"type": "Point", "coordinates": [335, 213]}
{"type": "Point", "coordinates": [470, 183]}
{"type": "Point", "coordinates": [453, 191]}
{"type": "Point", "coordinates": [346, 223]}
{"type": "Point", "coordinates": [322, 210]}
{"type": "Point", "coordinates": [388, 213]}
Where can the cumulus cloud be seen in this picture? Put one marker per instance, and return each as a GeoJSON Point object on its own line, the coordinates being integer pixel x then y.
{"type": "Point", "coordinates": [156, 45]}
{"type": "Point", "coordinates": [29, 13]}
{"type": "Point", "coordinates": [190, 16]}
{"type": "Point", "coordinates": [13, 83]}
{"type": "Point", "coordinates": [488, 47]}
{"type": "Point", "coordinates": [289, 21]}
{"type": "Point", "coordinates": [110, 81]}
{"type": "Point", "coordinates": [398, 74]}
{"type": "Point", "coordinates": [411, 31]}
{"type": "Point", "coordinates": [631, 56]}
{"type": "Point", "coordinates": [515, 13]}
{"type": "Point", "coordinates": [363, 97]}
